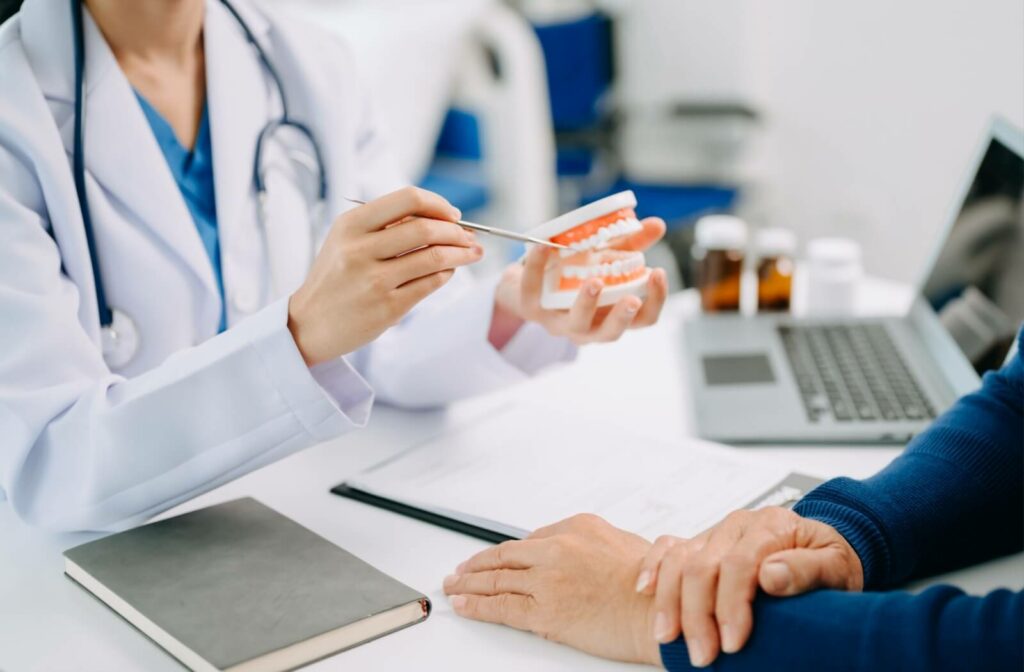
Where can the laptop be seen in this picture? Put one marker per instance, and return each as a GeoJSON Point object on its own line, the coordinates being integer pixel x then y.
{"type": "Point", "coordinates": [784, 379]}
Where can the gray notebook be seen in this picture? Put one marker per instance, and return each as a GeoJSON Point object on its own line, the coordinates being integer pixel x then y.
{"type": "Point", "coordinates": [240, 587]}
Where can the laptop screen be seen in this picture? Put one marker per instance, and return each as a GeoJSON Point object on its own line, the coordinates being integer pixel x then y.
{"type": "Point", "coordinates": [977, 283]}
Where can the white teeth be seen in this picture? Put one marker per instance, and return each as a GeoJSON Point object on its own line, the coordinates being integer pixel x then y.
{"type": "Point", "coordinates": [603, 235]}
{"type": "Point", "coordinates": [619, 267]}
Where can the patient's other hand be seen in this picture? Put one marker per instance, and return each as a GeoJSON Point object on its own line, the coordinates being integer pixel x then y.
{"type": "Point", "coordinates": [572, 582]}
{"type": "Point", "coordinates": [704, 587]}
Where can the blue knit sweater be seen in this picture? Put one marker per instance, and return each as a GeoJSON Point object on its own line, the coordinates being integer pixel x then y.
{"type": "Point", "coordinates": [955, 497]}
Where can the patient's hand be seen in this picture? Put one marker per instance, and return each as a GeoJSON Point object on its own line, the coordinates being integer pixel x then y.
{"type": "Point", "coordinates": [704, 586]}
{"type": "Point", "coordinates": [573, 582]}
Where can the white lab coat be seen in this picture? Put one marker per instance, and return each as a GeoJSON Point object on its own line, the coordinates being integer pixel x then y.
{"type": "Point", "coordinates": [84, 447]}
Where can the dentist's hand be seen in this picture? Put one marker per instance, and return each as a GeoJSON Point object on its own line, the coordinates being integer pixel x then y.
{"type": "Point", "coordinates": [704, 587]}
{"type": "Point", "coordinates": [378, 261]}
{"type": "Point", "coordinates": [517, 299]}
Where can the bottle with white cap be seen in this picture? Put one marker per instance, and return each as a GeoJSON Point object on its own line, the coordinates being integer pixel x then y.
{"type": "Point", "coordinates": [776, 249]}
{"type": "Point", "coordinates": [834, 274]}
{"type": "Point", "coordinates": [721, 243]}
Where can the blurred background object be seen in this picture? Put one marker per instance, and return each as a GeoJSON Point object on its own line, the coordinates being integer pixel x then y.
{"type": "Point", "coordinates": [845, 120]}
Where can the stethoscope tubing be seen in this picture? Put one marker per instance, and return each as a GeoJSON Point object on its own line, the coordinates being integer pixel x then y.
{"type": "Point", "coordinates": [103, 309]}
{"type": "Point", "coordinates": [106, 315]}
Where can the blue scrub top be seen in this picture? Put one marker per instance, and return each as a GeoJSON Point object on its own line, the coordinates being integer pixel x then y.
{"type": "Point", "coordinates": [193, 171]}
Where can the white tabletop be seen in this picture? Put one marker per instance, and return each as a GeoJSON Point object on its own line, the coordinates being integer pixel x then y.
{"type": "Point", "coordinates": [49, 623]}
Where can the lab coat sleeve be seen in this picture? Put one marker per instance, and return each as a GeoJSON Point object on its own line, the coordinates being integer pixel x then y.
{"type": "Point", "coordinates": [83, 448]}
{"type": "Point", "coordinates": [440, 352]}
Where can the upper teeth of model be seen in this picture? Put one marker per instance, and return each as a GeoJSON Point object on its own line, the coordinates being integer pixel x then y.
{"type": "Point", "coordinates": [604, 234]}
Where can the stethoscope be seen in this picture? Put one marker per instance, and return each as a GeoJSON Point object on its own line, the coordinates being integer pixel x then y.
{"type": "Point", "coordinates": [119, 334]}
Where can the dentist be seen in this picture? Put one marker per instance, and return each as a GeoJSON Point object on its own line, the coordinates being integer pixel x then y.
{"type": "Point", "coordinates": [177, 306]}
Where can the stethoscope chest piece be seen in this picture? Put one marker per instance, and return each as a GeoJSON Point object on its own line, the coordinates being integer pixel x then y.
{"type": "Point", "coordinates": [120, 341]}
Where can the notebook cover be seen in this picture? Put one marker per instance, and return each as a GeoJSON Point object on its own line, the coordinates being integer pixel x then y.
{"type": "Point", "coordinates": [238, 580]}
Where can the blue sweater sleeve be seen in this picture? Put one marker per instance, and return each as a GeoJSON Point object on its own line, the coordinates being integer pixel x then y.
{"type": "Point", "coordinates": [940, 629]}
{"type": "Point", "coordinates": [955, 496]}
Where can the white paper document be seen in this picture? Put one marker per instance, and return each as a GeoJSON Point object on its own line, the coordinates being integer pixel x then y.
{"type": "Point", "coordinates": [521, 468]}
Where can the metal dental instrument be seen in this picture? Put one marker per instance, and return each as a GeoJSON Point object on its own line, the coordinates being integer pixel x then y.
{"type": "Point", "coordinates": [501, 233]}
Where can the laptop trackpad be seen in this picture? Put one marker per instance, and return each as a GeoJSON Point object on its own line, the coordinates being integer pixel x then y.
{"type": "Point", "coordinates": [744, 369]}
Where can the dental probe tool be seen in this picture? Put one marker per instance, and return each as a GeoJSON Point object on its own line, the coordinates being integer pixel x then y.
{"type": "Point", "coordinates": [501, 233]}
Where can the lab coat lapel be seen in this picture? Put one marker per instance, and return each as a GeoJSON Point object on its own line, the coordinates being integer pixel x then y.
{"type": "Point", "coordinates": [238, 98]}
{"type": "Point", "coordinates": [121, 152]}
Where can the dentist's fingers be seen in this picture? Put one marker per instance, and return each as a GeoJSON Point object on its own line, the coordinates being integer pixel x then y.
{"type": "Point", "coordinates": [416, 233]}
{"type": "Point", "coordinates": [583, 311]}
{"type": "Point", "coordinates": [618, 320]}
{"type": "Point", "coordinates": [653, 231]}
{"type": "Point", "coordinates": [414, 291]}
{"type": "Point", "coordinates": [532, 282]}
{"type": "Point", "coordinates": [407, 202]}
{"type": "Point", "coordinates": [428, 261]}
{"type": "Point", "coordinates": [657, 294]}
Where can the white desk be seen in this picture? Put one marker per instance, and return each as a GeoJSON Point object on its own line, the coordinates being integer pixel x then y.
{"type": "Point", "coordinates": [48, 623]}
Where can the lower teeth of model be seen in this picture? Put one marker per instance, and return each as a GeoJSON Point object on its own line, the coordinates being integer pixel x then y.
{"type": "Point", "coordinates": [603, 270]}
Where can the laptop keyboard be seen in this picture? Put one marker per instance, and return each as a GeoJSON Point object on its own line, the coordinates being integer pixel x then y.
{"type": "Point", "coordinates": [852, 373]}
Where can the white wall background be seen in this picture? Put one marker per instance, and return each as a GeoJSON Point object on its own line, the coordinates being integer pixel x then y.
{"type": "Point", "coordinates": [873, 109]}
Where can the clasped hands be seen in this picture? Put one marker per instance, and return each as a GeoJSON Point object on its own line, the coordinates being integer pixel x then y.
{"type": "Point", "coordinates": [611, 593]}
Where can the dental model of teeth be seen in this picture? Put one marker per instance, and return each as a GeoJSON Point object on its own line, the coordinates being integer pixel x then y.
{"type": "Point", "coordinates": [596, 234]}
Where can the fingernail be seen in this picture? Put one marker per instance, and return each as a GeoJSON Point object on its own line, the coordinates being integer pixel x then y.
{"type": "Point", "coordinates": [593, 289]}
{"type": "Point", "coordinates": [661, 631]}
{"type": "Point", "coordinates": [449, 581]}
{"type": "Point", "coordinates": [777, 576]}
{"type": "Point", "coordinates": [632, 307]}
{"type": "Point", "coordinates": [458, 602]}
{"type": "Point", "coordinates": [477, 249]}
{"type": "Point", "coordinates": [643, 580]}
{"type": "Point", "coordinates": [461, 568]}
{"type": "Point", "coordinates": [698, 654]}
{"type": "Point", "coordinates": [730, 638]}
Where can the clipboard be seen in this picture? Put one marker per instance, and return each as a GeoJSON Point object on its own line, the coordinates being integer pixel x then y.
{"type": "Point", "coordinates": [446, 522]}
{"type": "Point", "coordinates": [786, 493]}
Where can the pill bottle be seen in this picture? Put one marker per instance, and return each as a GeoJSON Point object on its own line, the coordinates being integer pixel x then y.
{"type": "Point", "coordinates": [776, 250]}
{"type": "Point", "coordinates": [834, 274]}
{"type": "Point", "coordinates": [720, 247]}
